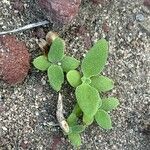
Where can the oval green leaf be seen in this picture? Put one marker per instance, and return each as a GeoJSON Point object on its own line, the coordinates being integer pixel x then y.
{"type": "Point", "coordinates": [72, 119]}
{"type": "Point", "coordinates": [69, 63]}
{"type": "Point", "coordinates": [110, 103]}
{"type": "Point", "coordinates": [103, 119]}
{"type": "Point", "coordinates": [77, 129]}
{"type": "Point", "coordinates": [88, 121]}
{"type": "Point", "coordinates": [74, 78]}
{"type": "Point", "coordinates": [75, 139]}
{"type": "Point", "coordinates": [41, 63]}
{"type": "Point", "coordinates": [88, 99]}
{"type": "Point", "coordinates": [95, 59]}
{"type": "Point", "coordinates": [56, 77]}
{"type": "Point", "coordinates": [102, 83]}
{"type": "Point", "coordinates": [77, 110]}
{"type": "Point", "coordinates": [56, 52]}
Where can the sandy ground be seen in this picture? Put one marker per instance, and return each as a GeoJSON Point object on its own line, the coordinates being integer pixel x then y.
{"type": "Point", "coordinates": [27, 111]}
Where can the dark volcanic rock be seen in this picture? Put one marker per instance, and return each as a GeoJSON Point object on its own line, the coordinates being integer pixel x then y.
{"type": "Point", "coordinates": [14, 60]}
{"type": "Point", "coordinates": [60, 11]}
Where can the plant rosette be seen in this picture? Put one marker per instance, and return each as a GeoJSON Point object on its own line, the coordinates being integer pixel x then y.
{"type": "Point", "coordinates": [56, 63]}
{"type": "Point", "coordinates": [88, 84]}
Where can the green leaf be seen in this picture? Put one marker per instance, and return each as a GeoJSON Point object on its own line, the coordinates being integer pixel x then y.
{"type": "Point", "coordinates": [74, 78]}
{"type": "Point", "coordinates": [72, 119]}
{"type": "Point", "coordinates": [86, 80]}
{"type": "Point", "coordinates": [87, 120]}
{"type": "Point", "coordinates": [88, 99]}
{"type": "Point", "coordinates": [102, 83]}
{"type": "Point", "coordinates": [103, 119]}
{"type": "Point", "coordinates": [41, 63]}
{"type": "Point", "coordinates": [75, 139]}
{"type": "Point", "coordinates": [56, 77]}
{"type": "Point", "coordinates": [109, 103]}
{"type": "Point", "coordinates": [69, 63]}
{"type": "Point", "coordinates": [56, 52]}
{"type": "Point", "coordinates": [77, 110]}
{"type": "Point", "coordinates": [95, 59]}
{"type": "Point", "coordinates": [77, 129]}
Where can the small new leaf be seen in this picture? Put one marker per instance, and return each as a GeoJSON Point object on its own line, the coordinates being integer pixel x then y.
{"type": "Point", "coordinates": [88, 99]}
{"type": "Point", "coordinates": [72, 119]}
{"type": "Point", "coordinates": [86, 80]}
{"type": "Point", "coordinates": [102, 83]}
{"type": "Point", "coordinates": [103, 119]}
{"type": "Point", "coordinates": [56, 77]}
{"type": "Point", "coordinates": [75, 139]}
{"type": "Point", "coordinates": [77, 110]}
{"type": "Point", "coordinates": [77, 129]}
{"type": "Point", "coordinates": [95, 59]}
{"type": "Point", "coordinates": [41, 63]}
{"type": "Point", "coordinates": [56, 52]}
{"type": "Point", "coordinates": [110, 103]}
{"type": "Point", "coordinates": [69, 63]}
{"type": "Point", "coordinates": [74, 78]}
{"type": "Point", "coordinates": [87, 120]}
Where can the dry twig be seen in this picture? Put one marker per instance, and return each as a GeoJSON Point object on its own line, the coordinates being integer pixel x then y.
{"type": "Point", "coordinates": [60, 117]}
{"type": "Point", "coordinates": [29, 26]}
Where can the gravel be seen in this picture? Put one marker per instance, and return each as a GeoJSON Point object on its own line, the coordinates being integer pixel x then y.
{"type": "Point", "coordinates": [27, 111]}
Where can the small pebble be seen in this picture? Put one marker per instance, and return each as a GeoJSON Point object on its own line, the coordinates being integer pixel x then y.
{"type": "Point", "coordinates": [130, 25]}
{"type": "Point", "coordinates": [43, 81]}
{"type": "Point", "coordinates": [140, 17]}
{"type": "Point", "coordinates": [4, 128]}
{"type": "Point", "coordinates": [105, 27]}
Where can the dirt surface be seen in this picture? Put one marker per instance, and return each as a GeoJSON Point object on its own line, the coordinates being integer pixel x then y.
{"type": "Point", "coordinates": [27, 110]}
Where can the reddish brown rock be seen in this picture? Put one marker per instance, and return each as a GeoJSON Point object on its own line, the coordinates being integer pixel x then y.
{"type": "Point", "coordinates": [18, 5]}
{"type": "Point", "coordinates": [105, 27]}
{"type": "Point", "coordinates": [147, 3]}
{"type": "Point", "coordinates": [14, 60]}
{"type": "Point", "coordinates": [98, 1]}
{"type": "Point", "coordinates": [102, 2]}
{"type": "Point", "coordinates": [60, 11]}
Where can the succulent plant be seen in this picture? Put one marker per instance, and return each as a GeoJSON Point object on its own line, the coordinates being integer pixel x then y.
{"type": "Point", "coordinates": [89, 85]}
